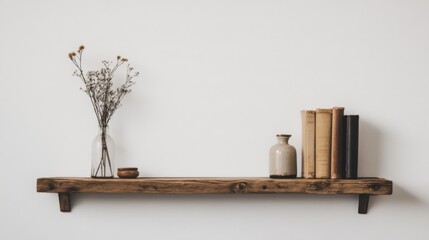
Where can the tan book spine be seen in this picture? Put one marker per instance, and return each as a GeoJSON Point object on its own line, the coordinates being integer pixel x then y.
{"type": "Point", "coordinates": [323, 142]}
{"type": "Point", "coordinates": [308, 157]}
{"type": "Point", "coordinates": [337, 143]}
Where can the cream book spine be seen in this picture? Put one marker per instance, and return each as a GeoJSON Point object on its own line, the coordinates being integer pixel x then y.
{"type": "Point", "coordinates": [323, 142]}
{"type": "Point", "coordinates": [308, 167]}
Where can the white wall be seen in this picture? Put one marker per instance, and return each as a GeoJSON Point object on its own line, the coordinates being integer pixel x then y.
{"type": "Point", "coordinates": [218, 80]}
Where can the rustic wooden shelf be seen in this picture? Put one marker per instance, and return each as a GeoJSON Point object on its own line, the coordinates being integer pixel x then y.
{"type": "Point", "coordinates": [364, 187]}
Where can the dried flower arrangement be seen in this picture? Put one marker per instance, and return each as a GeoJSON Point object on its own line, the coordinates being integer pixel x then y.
{"type": "Point", "coordinates": [98, 85]}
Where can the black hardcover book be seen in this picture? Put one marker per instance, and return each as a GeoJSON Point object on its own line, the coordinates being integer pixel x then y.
{"type": "Point", "coordinates": [343, 146]}
{"type": "Point", "coordinates": [351, 126]}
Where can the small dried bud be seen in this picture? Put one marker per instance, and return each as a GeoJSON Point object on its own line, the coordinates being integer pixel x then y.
{"type": "Point", "coordinates": [124, 60]}
{"type": "Point", "coordinates": [71, 55]}
{"type": "Point", "coordinates": [118, 57]}
{"type": "Point", "coordinates": [81, 48]}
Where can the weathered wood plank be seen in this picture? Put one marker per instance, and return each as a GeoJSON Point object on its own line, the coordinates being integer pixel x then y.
{"type": "Point", "coordinates": [369, 186]}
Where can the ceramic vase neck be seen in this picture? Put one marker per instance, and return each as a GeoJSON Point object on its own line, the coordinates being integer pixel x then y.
{"type": "Point", "coordinates": [283, 138]}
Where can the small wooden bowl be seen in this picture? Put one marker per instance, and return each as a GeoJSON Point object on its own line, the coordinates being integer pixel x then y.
{"type": "Point", "coordinates": [128, 169]}
{"type": "Point", "coordinates": [128, 172]}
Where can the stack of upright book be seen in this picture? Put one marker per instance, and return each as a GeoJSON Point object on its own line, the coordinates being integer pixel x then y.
{"type": "Point", "coordinates": [329, 143]}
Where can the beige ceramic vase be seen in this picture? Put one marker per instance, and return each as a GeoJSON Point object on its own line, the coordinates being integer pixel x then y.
{"type": "Point", "coordinates": [283, 158]}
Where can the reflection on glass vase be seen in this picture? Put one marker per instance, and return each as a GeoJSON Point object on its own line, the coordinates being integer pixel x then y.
{"type": "Point", "coordinates": [103, 154]}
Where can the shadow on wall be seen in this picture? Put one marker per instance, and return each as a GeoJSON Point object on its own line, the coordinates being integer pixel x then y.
{"type": "Point", "coordinates": [305, 203]}
{"type": "Point", "coordinates": [370, 150]}
{"type": "Point", "coordinates": [222, 202]}
{"type": "Point", "coordinates": [371, 164]}
{"type": "Point", "coordinates": [400, 197]}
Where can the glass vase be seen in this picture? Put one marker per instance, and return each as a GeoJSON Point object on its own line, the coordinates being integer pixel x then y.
{"type": "Point", "coordinates": [103, 154]}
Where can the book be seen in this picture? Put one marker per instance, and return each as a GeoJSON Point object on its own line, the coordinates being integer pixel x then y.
{"type": "Point", "coordinates": [343, 170]}
{"type": "Point", "coordinates": [351, 146]}
{"type": "Point", "coordinates": [337, 142]}
{"type": "Point", "coordinates": [323, 142]}
{"type": "Point", "coordinates": [308, 118]}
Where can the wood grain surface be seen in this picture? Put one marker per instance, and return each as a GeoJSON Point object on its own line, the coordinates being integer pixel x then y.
{"type": "Point", "coordinates": [207, 185]}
